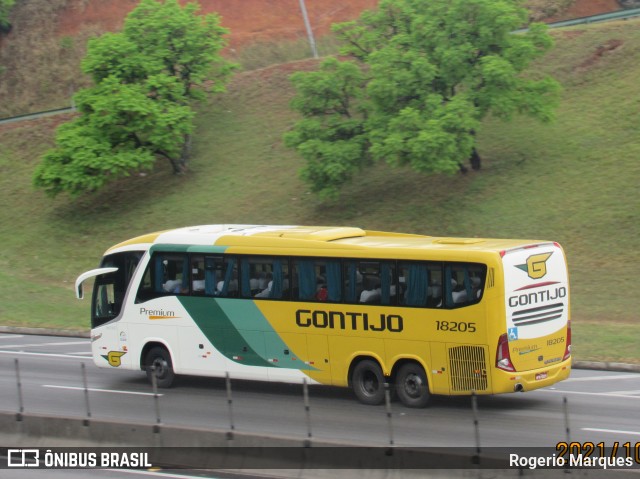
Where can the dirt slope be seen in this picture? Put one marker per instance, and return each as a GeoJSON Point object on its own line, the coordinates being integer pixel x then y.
{"type": "Point", "coordinates": [251, 20]}
{"type": "Point", "coordinates": [50, 36]}
{"type": "Point", "coordinates": [585, 8]}
{"type": "Point", "coordinates": [248, 20]}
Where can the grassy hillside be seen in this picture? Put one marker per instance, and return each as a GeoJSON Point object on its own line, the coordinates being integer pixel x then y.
{"type": "Point", "coordinates": [575, 181]}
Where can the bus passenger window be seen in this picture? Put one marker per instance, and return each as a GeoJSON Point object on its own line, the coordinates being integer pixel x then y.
{"type": "Point", "coordinates": [435, 290]}
{"type": "Point", "coordinates": [264, 277]}
{"type": "Point", "coordinates": [316, 280]}
{"type": "Point", "coordinates": [464, 283]}
{"type": "Point", "coordinates": [227, 277]}
{"type": "Point", "coordinates": [172, 274]}
{"type": "Point", "coordinates": [370, 282]}
{"type": "Point", "coordinates": [421, 284]}
{"type": "Point", "coordinates": [197, 275]}
{"type": "Point", "coordinates": [166, 273]}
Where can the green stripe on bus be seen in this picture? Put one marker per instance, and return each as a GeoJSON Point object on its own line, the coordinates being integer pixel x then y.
{"type": "Point", "coordinates": [246, 338]}
{"type": "Point", "coordinates": [247, 317]}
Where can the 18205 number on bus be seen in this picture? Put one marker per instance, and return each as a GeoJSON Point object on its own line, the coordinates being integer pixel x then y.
{"type": "Point", "coordinates": [456, 326]}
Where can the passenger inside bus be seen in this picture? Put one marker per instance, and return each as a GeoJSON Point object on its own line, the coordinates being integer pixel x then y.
{"type": "Point", "coordinates": [372, 292]}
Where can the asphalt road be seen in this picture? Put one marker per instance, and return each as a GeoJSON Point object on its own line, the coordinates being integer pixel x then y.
{"type": "Point", "coordinates": [602, 406]}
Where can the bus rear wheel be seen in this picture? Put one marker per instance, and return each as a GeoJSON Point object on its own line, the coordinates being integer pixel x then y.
{"type": "Point", "coordinates": [158, 363]}
{"type": "Point", "coordinates": [367, 381]}
{"type": "Point", "coordinates": [412, 386]}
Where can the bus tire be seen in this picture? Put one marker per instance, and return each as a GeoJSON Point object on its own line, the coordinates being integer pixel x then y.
{"type": "Point", "coordinates": [158, 362]}
{"type": "Point", "coordinates": [367, 382]}
{"type": "Point", "coordinates": [412, 385]}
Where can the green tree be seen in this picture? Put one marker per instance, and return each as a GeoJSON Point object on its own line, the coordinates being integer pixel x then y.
{"type": "Point", "coordinates": [428, 72]}
{"type": "Point", "coordinates": [139, 109]}
{"type": "Point", "coordinates": [5, 9]}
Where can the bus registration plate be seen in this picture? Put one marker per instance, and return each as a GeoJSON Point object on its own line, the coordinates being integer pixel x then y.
{"type": "Point", "coordinates": [540, 376]}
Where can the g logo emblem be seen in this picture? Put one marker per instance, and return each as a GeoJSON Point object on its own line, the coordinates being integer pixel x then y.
{"type": "Point", "coordinates": [536, 266]}
{"type": "Point", "coordinates": [113, 358]}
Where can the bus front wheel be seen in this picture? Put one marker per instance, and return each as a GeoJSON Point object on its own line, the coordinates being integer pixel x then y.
{"type": "Point", "coordinates": [412, 386]}
{"type": "Point", "coordinates": [158, 363]}
{"type": "Point", "coordinates": [368, 382]}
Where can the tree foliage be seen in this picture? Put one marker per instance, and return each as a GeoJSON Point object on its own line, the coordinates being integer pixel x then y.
{"type": "Point", "coordinates": [139, 108]}
{"type": "Point", "coordinates": [5, 9]}
{"type": "Point", "coordinates": [415, 80]}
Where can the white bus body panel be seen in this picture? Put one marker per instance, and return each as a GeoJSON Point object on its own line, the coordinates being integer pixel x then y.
{"type": "Point", "coordinates": [164, 320]}
{"type": "Point", "coordinates": [537, 291]}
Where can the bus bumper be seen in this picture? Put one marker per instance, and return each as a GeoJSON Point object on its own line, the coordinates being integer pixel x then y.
{"type": "Point", "coordinates": [520, 381]}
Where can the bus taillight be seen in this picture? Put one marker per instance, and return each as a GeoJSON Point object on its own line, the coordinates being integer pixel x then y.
{"type": "Point", "coordinates": [567, 349]}
{"type": "Point", "coordinates": [503, 359]}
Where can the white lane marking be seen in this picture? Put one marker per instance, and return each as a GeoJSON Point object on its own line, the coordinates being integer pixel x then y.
{"type": "Point", "coordinates": [12, 336]}
{"type": "Point", "coordinates": [603, 378]}
{"type": "Point", "coordinates": [35, 345]}
{"type": "Point", "coordinates": [612, 431]}
{"type": "Point", "coordinates": [115, 391]}
{"type": "Point", "coordinates": [637, 391]}
{"type": "Point", "coordinates": [49, 355]}
{"type": "Point", "coordinates": [615, 395]}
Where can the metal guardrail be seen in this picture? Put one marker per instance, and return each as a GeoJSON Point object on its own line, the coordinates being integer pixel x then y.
{"type": "Point", "coordinates": [39, 114]}
{"type": "Point", "coordinates": [602, 17]}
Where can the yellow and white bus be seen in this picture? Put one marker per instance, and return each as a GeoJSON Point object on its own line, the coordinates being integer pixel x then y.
{"type": "Point", "coordinates": [335, 305]}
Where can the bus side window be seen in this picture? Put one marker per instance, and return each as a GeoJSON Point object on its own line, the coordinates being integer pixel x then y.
{"type": "Point", "coordinates": [198, 281]}
{"type": "Point", "coordinates": [435, 291]}
{"type": "Point", "coordinates": [352, 282]}
{"type": "Point", "coordinates": [370, 282]}
{"type": "Point", "coordinates": [172, 274]}
{"type": "Point", "coordinates": [166, 274]}
{"type": "Point", "coordinates": [226, 277]}
{"type": "Point", "coordinates": [421, 284]}
{"type": "Point", "coordinates": [316, 280]}
{"type": "Point", "coordinates": [464, 283]}
{"type": "Point", "coordinates": [264, 277]}
{"type": "Point", "coordinates": [210, 276]}
{"type": "Point", "coordinates": [414, 280]}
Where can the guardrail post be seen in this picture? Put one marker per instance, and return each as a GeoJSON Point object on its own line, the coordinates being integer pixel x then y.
{"type": "Point", "coordinates": [476, 425]}
{"type": "Point", "coordinates": [307, 409]}
{"type": "Point", "coordinates": [567, 430]}
{"type": "Point", "coordinates": [565, 407]}
{"type": "Point", "coordinates": [86, 394]}
{"type": "Point", "coordinates": [156, 399]}
{"type": "Point", "coordinates": [230, 403]}
{"type": "Point", "coordinates": [387, 400]}
{"type": "Point", "coordinates": [19, 383]}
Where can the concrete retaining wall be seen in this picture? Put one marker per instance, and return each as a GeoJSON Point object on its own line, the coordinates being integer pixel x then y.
{"type": "Point", "coordinates": [180, 447]}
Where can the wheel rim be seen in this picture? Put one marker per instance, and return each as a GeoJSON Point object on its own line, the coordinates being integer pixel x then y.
{"type": "Point", "coordinates": [160, 367]}
{"type": "Point", "coordinates": [413, 385]}
{"type": "Point", "coordinates": [370, 383]}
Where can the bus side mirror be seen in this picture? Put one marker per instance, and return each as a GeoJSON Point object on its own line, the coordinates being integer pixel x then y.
{"type": "Point", "coordinates": [90, 274]}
